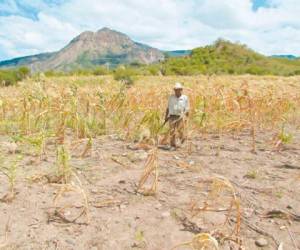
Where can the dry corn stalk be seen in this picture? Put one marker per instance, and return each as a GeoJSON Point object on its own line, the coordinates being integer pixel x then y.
{"type": "Point", "coordinates": [150, 170]}
{"type": "Point", "coordinates": [88, 148]}
{"type": "Point", "coordinates": [3, 244]}
{"type": "Point", "coordinates": [221, 190]}
{"type": "Point", "coordinates": [66, 188]}
{"type": "Point", "coordinates": [202, 241]}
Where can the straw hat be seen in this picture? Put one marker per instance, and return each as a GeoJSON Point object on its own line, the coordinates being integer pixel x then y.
{"type": "Point", "coordinates": [178, 85]}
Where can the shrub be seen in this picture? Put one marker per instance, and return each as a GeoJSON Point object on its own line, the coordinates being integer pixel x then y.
{"type": "Point", "coordinates": [297, 72]}
{"type": "Point", "coordinates": [80, 72]}
{"type": "Point", "coordinates": [52, 73]}
{"type": "Point", "coordinates": [154, 70]}
{"type": "Point", "coordinates": [23, 72]}
{"type": "Point", "coordinates": [125, 75]}
{"type": "Point", "coordinates": [100, 71]}
{"type": "Point", "coordinates": [10, 77]}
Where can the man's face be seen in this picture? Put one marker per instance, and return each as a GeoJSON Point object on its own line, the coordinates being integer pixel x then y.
{"type": "Point", "coordinates": [178, 92]}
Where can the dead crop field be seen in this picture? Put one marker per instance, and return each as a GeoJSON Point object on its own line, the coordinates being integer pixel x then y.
{"type": "Point", "coordinates": [83, 164]}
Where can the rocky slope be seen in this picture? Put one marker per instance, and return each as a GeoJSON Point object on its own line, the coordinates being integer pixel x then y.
{"type": "Point", "coordinates": [104, 47]}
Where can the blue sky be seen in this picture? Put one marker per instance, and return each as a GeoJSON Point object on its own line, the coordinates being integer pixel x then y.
{"type": "Point", "coordinates": [34, 26]}
{"type": "Point", "coordinates": [259, 3]}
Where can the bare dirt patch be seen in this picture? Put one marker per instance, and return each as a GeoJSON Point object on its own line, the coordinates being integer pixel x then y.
{"type": "Point", "coordinates": [266, 183]}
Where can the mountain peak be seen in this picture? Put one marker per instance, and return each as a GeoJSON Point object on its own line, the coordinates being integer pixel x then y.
{"type": "Point", "coordinates": [103, 33]}
{"type": "Point", "coordinates": [106, 29]}
{"type": "Point", "coordinates": [110, 32]}
{"type": "Point", "coordinates": [89, 49]}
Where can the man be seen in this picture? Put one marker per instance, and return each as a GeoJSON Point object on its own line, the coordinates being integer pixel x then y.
{"type": "Point", "coordinates": [176, 114]}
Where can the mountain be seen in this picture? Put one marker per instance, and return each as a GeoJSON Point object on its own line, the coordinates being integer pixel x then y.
{"type": "Point", "coordinates": [89, 49]}
{"type": "Point", "coordinates": [111, 48]}
{"type": "Point", "coordinates": [290, 57]}
{"type": "Point", "coordinates": [178, 53]}
{"type": "Point", "coordinates": [225, 57]}
{"type": "Point", "coordinates": [26, 60]}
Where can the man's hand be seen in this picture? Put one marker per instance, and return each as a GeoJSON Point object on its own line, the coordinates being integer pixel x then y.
{"type": "Point", "coordinates": [166, 119]}
{"type": "Point", "coordinates": [167, 115]}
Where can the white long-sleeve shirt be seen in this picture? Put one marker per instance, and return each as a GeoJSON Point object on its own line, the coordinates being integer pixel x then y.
{"type": "Point", "coordinates": [178, 105]}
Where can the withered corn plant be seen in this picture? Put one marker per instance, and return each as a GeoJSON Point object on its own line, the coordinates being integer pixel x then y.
{"type": "Point", "coordinates": [73, 107]}
{"type": "Point", "coordinates": [9, 168]}
{"type": "Point", "coordinates": [200, 241]}
{"type": "Point", "coordinates": [61, 206]}
{"type": "Point", "coordinates": [63, 167]}
{"type": "Point", "coordinates": [222, 197]}
{"type": "Point", "coordinates": [148, 182]}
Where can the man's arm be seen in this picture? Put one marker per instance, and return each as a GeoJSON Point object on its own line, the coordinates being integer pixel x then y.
{"type": "Point", "coordinates": [167, 115]}
{"type": "Point", "coordinates": [187, 107]}
{"type": "Point", "coordinates": [167, 110]}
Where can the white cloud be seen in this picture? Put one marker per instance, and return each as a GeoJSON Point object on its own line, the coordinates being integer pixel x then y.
{"type": "Point", "coordinates": [20, 36]}
{"type": "Point", "coordinates": [166, 24]}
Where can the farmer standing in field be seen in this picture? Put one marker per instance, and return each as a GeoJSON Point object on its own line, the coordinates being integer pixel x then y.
{"type": "Point", "coordinates": [177, 113]}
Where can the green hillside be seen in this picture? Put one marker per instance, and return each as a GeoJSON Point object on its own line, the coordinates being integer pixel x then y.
{"type": "Point", "coordinates": [224, 57]}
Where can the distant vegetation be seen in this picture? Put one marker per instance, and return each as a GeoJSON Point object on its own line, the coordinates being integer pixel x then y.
{"type": "Point", "coordinates": [224, 57]}
{"type": "Point", "coordinates": [12, 76]}
{"type": "Point", "coordinates": [100, 70]}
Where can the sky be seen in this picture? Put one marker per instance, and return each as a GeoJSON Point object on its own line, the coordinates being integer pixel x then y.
{"type": "Point", "coordinates": [33, 26]}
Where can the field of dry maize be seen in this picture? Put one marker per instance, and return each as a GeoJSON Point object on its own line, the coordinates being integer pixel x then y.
{"type": "Point", "coordinates": [83, 164]}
